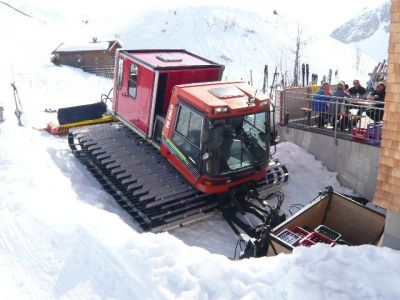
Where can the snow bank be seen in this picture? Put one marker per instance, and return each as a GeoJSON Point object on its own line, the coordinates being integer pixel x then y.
{"type": "Point", "coordinates": [58, 240]}
{"type": "Point", "coordinates": [55, 246]}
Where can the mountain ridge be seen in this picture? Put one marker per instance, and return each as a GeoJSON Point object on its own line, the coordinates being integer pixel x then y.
{"type": "Point", "coordinates": [366, 30]}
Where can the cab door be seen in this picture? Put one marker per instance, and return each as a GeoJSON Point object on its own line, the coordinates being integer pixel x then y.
{"type": "Point", "coordinates": [133, 93]}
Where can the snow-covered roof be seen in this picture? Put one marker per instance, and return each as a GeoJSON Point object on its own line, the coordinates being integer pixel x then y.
{"type": "Point", "coordinates": [91, 46]}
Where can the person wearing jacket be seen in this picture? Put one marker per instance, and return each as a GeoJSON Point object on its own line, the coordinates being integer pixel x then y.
{"type": "Point", "coordinates": [320, 103]}
{"type": "Point", "coordinates": [357, 90]}
{"type": "Point", "coordinates": [339, 113]}
{"type": "Point", "coordinates": [377, 95]}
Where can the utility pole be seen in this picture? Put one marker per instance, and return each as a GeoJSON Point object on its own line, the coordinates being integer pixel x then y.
{"type": "Point", "coordinates": [299, 43]}
{"type": "Point", "coordinates": [265, 82]}
{"type": "Point", "coordinates": [296, 60]}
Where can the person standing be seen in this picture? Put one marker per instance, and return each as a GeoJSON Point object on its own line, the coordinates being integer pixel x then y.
{"type": "Point", "coordinates": [320, 103]}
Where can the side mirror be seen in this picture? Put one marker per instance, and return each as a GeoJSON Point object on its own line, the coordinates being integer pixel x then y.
{"type": "Point", "coordinates": [274, 138]}
{"type": "Point", "coordinates": [205, 156]}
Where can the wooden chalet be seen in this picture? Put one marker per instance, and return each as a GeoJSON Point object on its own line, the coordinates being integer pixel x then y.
{"type": "Point", "coordinates": [94, 57]}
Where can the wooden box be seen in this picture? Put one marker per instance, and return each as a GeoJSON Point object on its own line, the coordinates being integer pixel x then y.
{"type": "Point", "coordinates": [358, 224]}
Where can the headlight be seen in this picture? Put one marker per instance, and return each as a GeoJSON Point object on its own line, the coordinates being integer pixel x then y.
{"type": "Point", "coordinates": [221, 110]}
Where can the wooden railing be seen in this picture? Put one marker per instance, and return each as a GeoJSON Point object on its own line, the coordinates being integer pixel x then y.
{"type": "Point", "coordinates": [104, 71]}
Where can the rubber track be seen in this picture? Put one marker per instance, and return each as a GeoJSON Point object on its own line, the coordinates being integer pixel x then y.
{"type": "Point", "coordinates": [138, 177]}
{"type": "Point", "coordinates": [143, 182]}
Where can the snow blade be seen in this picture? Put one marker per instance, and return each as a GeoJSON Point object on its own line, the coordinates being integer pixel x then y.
{"type": "Point", "coordinates": [81, 113]}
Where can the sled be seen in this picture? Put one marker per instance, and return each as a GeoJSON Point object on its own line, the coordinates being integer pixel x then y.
{"type": "Point", "coordinates": [55, 129]}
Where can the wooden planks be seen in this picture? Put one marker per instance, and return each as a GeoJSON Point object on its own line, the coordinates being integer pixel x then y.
{"type": "Point", "coordinates": [357, 224]}
{"type": "Point", "coordinates": [387, 192]}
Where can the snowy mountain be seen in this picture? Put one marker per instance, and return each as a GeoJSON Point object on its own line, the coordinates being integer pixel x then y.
{"type": "Point", "coordinates": [368, 31]}
{"type": "Point", "coordinates": [63, 237]}
{"type": "Point", "coordinates": [238, 36]}
{"type": "Point", "coordinates": [242, 40]}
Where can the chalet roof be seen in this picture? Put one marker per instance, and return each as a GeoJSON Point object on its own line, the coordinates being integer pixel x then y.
{"type": "Point", "coordinates": [90, 46]}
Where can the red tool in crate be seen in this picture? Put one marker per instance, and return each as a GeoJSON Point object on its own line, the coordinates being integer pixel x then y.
{"type": "Point", "coordinates": [300, 231]}
{"type": "Point", "coordinates": [360, 135]}
{"type": "Point", "coordinates": [314, 238]}
{"type": "Point", "coordinates": [306, 243]}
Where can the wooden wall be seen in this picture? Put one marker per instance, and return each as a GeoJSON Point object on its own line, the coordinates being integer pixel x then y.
{"type": "Point", "coordinates": [387, 192]}
{"type": "Point", "coordinates": [81, 59]}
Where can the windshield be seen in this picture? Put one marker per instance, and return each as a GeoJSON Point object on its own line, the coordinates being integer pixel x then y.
{"type": "Point", "coordinates": [236, 143]}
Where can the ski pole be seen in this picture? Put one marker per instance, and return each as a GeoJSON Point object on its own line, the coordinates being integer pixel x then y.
{"type": "Point", "coordinates": [1, 114]}
{"type": "Point", "coordinates": [18, 106]}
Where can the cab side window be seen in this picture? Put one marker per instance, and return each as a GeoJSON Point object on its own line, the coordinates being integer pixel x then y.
{"type": "Point", "coordinates": [132, 82]}
{"type": "Point", "coordinates": [187, 135]}
{"type": "Point", "coordinates": [257, 120]}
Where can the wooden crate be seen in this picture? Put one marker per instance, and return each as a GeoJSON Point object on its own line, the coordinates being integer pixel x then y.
{"type": "Point", "coordinates": [357, 223]}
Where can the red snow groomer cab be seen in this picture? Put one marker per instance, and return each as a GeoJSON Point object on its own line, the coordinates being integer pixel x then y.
{"type": "Point", "coordinates": [185, 143]}
{"type": "Point", "coordinates": [215, 134]}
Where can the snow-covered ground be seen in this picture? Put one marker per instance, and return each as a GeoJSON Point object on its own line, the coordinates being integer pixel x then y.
{"type": "Point", "coordinates": [63, 237]}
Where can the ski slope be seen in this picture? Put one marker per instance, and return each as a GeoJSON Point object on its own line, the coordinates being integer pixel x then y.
{"type": "Point", "coordinates": [63, 237]}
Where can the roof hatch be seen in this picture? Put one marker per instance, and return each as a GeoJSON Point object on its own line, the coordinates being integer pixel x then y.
{"type": "Point", "coordinates": [226, 92]}
{"type": "Point", "coordinates": [167, 57]}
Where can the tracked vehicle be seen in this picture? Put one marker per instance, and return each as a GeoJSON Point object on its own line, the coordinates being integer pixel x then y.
{"type": "Point", "coordinates": [184, 143]}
